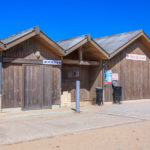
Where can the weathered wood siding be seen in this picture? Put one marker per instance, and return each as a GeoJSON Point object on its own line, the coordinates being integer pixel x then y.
{"type": "Point", "coordinates": [90, 77]}
{"type": "Point", "coordinates": [28, 48]}
{"type": "Point", "coordinates": [11, 86]}
{"type": "Point", "coordinates": [16, 83]}
{"type": "Point", "coordinates": [134, 76]}
{"type": "Point", "coordinates": [95, 80]}
{"type": "Point", "coordinates": [69, 82]}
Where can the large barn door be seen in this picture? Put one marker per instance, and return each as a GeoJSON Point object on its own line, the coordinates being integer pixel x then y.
{"type": "Point", "coordinates": [41, 86]}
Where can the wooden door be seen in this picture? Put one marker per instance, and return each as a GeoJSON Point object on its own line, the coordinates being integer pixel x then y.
{"type": "Point", "coordinates": [51, 85]}
{"type": "Point", "coordinates": [47, 86]}
{"type": "Point", "coordinates": [41, 86]}
{"type": "Point", "coordinates": [32, 86]}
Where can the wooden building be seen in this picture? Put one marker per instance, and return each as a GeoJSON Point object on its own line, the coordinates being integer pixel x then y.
{"type": "Point", "coordinates": [26, 81]}
{"type": "Point", "coordinates": [129, 58]}
{"type": "Point", "coordinates": [35, 71]}
{"type": "Point", "coordinates": [82, 61]}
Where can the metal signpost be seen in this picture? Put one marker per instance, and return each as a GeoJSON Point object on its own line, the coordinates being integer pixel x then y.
{"type": "Point", "coordinates": [77, 96]}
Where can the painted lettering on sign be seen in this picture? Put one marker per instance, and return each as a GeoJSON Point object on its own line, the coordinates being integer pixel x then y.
{"type": "Point", "coordinates": [136, 57]}
{"type": "Point", "coordinates": [52, 62]}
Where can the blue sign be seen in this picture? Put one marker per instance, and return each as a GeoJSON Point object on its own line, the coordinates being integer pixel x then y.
{"type": "Point", "coordinates": [52, 62]}
{"type": "Point", "coordinates": [108, 77]}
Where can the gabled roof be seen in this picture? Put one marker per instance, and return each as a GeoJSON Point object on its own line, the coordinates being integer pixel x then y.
{"type": "Point", "coordinates": [71, 44]}
{"type": "Point", "coordinates": [108, 46]}
{"type": "Point", "coordinates": [15, 39]}
{"type": "Point", "coordinates": [112, 43]}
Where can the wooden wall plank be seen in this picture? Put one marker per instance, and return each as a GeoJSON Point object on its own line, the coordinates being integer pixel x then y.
{"type": "Point", "coordinates": [11, 86]}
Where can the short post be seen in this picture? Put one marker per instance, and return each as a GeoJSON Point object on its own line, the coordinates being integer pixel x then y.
{"type": "Point", "coordinates": [77, 96]}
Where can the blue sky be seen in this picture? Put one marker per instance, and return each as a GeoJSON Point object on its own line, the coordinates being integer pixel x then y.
{"type": "Point", "coordinates": [61, 19]}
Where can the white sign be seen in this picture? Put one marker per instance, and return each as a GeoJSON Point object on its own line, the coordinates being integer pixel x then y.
{"type": "Point", "coordinates": [52, 62]}
{"type": "Point", "coordinates": [115, 76]}
{"type": "Point", "coordinates": [136, 57]}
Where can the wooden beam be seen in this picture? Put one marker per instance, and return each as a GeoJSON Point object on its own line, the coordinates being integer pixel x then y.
{"type": "Point", "coordinates": [80, 54]}
{"type": "Point", "coordinates": [22, 61]}
{"type": "Point", "coordinates": [77, 62]}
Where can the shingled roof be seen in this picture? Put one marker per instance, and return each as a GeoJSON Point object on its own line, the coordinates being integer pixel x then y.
{"type": "Point", "coordinates": [112, 43]}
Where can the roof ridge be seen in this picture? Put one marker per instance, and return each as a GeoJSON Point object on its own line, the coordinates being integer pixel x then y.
{"type": "Point", "coordinates": [118, 34]}
{"type": "Point", "coordinates": [72, 38]}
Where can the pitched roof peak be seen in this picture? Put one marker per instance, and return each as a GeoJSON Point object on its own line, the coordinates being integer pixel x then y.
{"type": "Point", "coordinates": [70, 42]}
{"type": "Point", "coordinates": [84, 35]}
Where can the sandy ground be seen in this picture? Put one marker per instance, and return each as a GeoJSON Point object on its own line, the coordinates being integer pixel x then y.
{"type": "Point", "coordinates": [114, 127]}
{"type": "Point", "coordinates": [133, 136]}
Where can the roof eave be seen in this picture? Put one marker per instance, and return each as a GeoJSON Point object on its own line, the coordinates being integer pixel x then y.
{"type": "Point", "coordinates": [19, 40]}
{"type": "Point", "coordinates": [76, 46]}
{"type": "Point", "coordinates": [100, 49]}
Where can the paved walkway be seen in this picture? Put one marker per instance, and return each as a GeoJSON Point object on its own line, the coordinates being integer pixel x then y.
{"type": "Point", "coordinates": [30, 129]}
